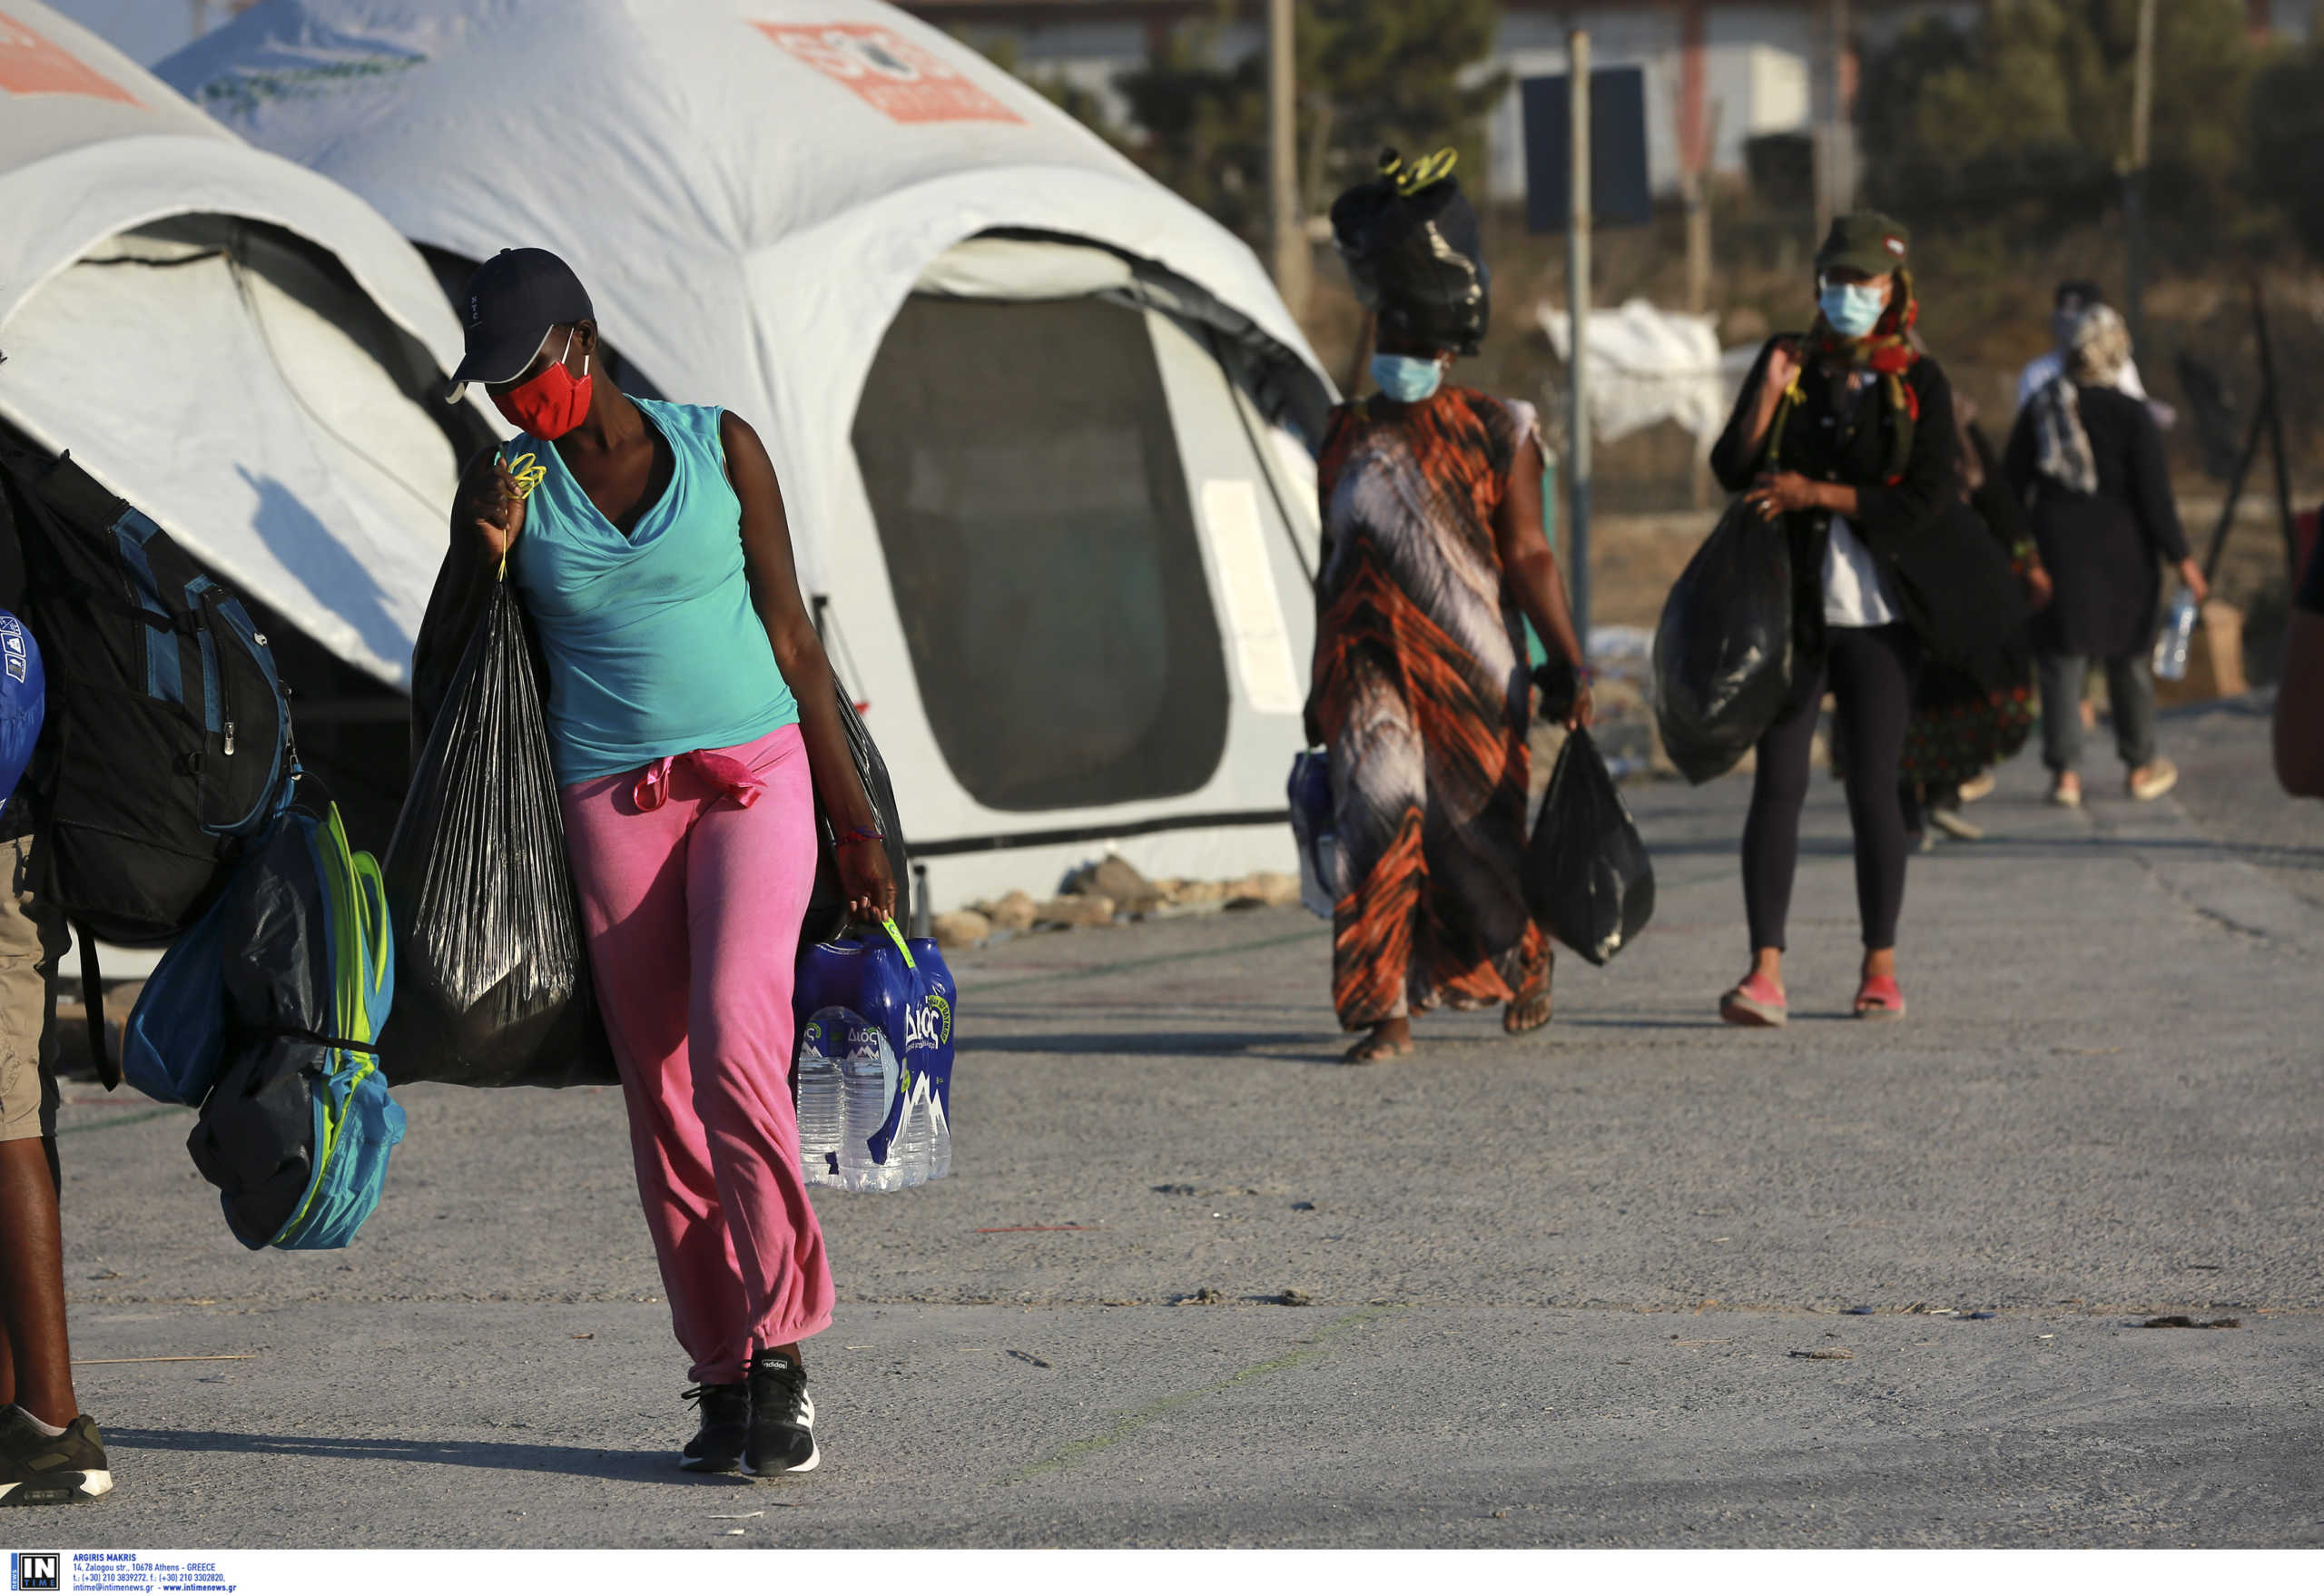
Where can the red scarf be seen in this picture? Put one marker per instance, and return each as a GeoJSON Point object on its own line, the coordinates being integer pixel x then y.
{"type": "Point", "coordinates": [1886, 350]}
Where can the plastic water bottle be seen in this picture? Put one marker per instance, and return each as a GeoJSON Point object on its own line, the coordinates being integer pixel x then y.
{"type": "Point", "coordinates": [868, 1071]}
{"type": "Point", "coordinates": [940, 1141]}
{"type": "Point", "coordinates": [914, 1132]}
{"type": "Point", "coordinates": [821, 1105]}
{"type": "Point", "coordinates": [2170, 643]}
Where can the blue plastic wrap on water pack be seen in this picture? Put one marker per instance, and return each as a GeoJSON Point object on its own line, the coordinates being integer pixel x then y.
{"type": "Point", "coordinates": [1314, 828]}
{"type": "Point", "coordinates": [23, 699]}
{"type": "Point", "coordinates": [905, 988]}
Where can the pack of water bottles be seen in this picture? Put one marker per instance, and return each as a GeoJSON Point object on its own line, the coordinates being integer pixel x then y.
{"type": "Point", "coordinates": [874, 1077]}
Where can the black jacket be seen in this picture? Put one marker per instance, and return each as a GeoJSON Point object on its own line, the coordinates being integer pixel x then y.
{"type": "Point", "coordinates": [1949, 580]}
{"type": "Point", "coordinates": [2104, 550]}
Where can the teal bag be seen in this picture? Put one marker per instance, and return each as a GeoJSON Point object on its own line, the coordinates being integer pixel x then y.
{"type": "Point", "coordinates": [268, 1020]}
{"type": "Point", "coordinates": [356, 1122]}
{"type": "Point", "coordinates": [173, 1045]}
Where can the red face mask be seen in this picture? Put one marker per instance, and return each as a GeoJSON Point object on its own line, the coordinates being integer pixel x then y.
{"type": "Point", "coordinates": [552, 404]}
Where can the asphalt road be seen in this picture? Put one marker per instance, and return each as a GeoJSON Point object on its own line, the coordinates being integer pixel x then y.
{"type": "Point", "coordinates": [1593, 1288]}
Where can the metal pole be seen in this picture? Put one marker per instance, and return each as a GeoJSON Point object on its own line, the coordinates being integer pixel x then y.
{"type": "Point", "coordinates": [1696, 138]}
{"type": "Point", "coordinates": [2269, 399]}
{"type": "Point", "coordinates": [1287, 239]}
{"type": "Point", "coordinates": [1843, 132]}
{"type": "Point", "coordinates": [2134, 178]}
{"type": "Point", "coordinates": [1825, 139]}
{"type": "Point", "coordinates": [1577, 291]}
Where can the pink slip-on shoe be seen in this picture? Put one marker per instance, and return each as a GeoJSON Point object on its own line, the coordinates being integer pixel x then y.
{"type": "Point", "coordinates": [1755, 1002]}
{"type": "Point", "coordinates": [1879, 999]}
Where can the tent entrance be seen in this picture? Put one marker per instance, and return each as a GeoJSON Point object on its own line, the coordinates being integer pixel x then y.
{"type": "Point", "coordinates": [1026, 477]}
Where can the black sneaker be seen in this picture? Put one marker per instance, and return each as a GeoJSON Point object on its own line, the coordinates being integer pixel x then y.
{"type": "Point", "coordinates": [41, 1471]}
{"type": "Point", "coordinates": [782, 1418]}
{"type": "Point", "coordinates": [717, 1447]}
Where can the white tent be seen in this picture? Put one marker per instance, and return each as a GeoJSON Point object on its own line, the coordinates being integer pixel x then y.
{"type": "Point", "coordinates": [236, 345]}
{"type": "Point", "coordinates": [1034, 415]}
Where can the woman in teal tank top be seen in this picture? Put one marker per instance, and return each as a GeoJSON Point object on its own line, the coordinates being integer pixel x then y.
{"type": "Point", "coordinates": [694, 722]}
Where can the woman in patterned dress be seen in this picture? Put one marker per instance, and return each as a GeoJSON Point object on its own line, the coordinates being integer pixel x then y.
{"type": "Point", "coordinates": [1436, 556]}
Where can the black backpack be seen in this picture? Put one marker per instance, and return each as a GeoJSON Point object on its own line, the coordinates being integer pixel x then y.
{"type": "Point", "coordinates": [167, 741]}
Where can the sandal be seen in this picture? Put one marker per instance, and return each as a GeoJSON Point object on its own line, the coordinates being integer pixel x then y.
{"type": "Point", "coordinates": [2150, 781]}
{"type": "Point", "coordinates": [1755, 1001]}
{"type": "Point", "coordinates": [1518, 1016]}
{"type": "Point", "coordinates": [1879, 999]}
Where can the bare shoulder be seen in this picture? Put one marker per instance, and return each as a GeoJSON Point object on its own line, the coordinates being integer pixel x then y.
{"type": "Point", "coordinates": [740, 437]}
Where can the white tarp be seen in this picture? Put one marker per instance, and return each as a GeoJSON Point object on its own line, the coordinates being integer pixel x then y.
{"type": "Point", "coordinates": [1646, 366]}
{"type": "Point", "coordinates": [259, 408]}
{"type": "Point", "coordinates": [752, 190]}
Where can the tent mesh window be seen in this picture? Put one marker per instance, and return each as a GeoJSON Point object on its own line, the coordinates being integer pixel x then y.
{"type": "Point", "coordinates": [1040, 537]}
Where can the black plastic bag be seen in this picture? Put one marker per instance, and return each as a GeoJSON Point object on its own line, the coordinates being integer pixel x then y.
{"type": "Point", "coordinates": [492, 976]}
{"type": "Point", "coordinates": [1722, 652]}
{"type": "Point", "coordinates": [1588, 879]}
{"type": "Point", "coordinates": [827, 901]}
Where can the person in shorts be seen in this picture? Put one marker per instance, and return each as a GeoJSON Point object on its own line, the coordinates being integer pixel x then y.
{"type": "Point", "coordinates": [50, 1451]}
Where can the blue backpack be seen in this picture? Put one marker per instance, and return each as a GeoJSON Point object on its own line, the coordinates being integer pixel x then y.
{"type": "Point", "coordinates": [165, 751]}
{"type": "Point", "coordinates": [265, 1015]}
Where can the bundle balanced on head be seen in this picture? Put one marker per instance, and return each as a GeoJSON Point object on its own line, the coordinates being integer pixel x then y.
{"type": "Point", "coordinates": [1435, 558]}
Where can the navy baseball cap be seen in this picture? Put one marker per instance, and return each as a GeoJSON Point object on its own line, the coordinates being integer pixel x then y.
{"type": "Point", "coordinates": [511, 302]}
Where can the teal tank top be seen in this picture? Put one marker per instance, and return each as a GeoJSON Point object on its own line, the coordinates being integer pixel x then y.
{"type": "Point", "coordinates": [652, 646]}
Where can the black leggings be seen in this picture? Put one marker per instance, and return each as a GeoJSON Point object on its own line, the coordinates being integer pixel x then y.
{"type": "Point", "coordinates": [1870, 671]}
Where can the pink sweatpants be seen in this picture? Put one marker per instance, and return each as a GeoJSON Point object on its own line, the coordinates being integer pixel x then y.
{"type": "Point", "coordinates": [694, 876]}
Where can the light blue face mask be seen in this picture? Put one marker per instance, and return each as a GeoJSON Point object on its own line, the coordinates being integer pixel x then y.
{"type": "Point", "coordinates": [1852, 309]}
{"type": "Point", "coordinates": [1406, 379]}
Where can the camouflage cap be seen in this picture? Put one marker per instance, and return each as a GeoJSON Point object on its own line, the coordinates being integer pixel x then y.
{"type": "Point", "coordinates": [1866, 241]}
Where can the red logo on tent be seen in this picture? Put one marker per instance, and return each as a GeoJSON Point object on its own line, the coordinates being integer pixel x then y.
{"type": "Point", "coordinates": [30, 64]}
{"type": "Point", "coordinates": [905, 82]}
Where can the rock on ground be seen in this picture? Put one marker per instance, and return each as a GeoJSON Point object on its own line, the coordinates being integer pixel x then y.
{"type": "Point", "coordinates": [963, 927]}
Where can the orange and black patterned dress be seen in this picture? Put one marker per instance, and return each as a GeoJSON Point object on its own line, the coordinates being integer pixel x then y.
{"type": "Point", "coordinates": [1421, 695]}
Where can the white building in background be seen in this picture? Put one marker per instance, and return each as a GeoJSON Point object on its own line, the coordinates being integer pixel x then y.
{"type": "Point", "coordinates": [1751, 67]}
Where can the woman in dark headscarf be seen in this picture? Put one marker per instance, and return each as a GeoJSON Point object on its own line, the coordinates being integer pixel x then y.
{"type": "Point", "coordinates": [2088, 461]}
{"type": "Point", "coordinates": [1435, 557]}
{"type": "Point", "coordinates": [1847, 435]}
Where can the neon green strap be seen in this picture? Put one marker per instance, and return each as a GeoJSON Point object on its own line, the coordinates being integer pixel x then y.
{"type": "Point", "coordinates": [897, 937]}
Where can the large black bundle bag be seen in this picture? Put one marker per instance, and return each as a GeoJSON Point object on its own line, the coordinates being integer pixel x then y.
{"type": "Point", "coordinates": [1415, 254]}
{"type": "Point", "coordinates": [492, 977]}
{"type": "Point", "coordinates": [827, 902]}
{"type": "Point", "coordinates": [1722, 652]}
{"type": "Point", "coordinates": [1588, 879]}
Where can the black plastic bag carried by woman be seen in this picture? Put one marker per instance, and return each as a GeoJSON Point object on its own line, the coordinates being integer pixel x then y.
{"type": "Point", "coordinates": [492, 975]}
{"type": "Point", "coordinates": [1722, 652]}
{"type": "Point", "coordinates": [1588, 881]}
{"type": "Point", "coordinates": [827, 902]}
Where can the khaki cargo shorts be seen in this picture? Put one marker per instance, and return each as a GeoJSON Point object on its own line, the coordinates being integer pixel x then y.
{"type": "Point", "coordinates": [31, 942]}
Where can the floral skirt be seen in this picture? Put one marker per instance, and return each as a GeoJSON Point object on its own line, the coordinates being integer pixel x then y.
{"type": "Point", "coordinates": [1959, 729]}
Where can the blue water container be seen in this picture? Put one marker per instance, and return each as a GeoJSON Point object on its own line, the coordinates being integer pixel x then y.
{"type": "Point", "coordinates": [903, 987]}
